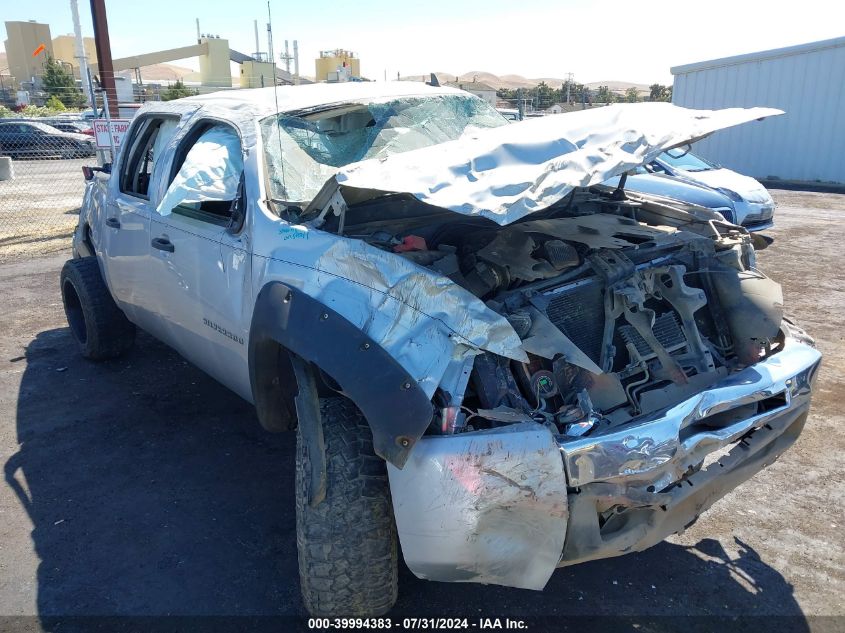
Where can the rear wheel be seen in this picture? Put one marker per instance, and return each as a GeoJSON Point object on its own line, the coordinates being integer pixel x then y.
{"type": "Point", "coordinates": [98, 326]}
{"type": "Point", "coordinates": [347, 543]}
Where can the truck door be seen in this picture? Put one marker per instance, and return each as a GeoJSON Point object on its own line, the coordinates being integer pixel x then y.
{"type": "Point", "coordinates": [201, 256]}
{"type": "Point", "coordinates": [125, 222]}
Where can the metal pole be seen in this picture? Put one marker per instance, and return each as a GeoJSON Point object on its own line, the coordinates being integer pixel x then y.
{"type": "Point", "coordinates": [198, 31]}
{"type": "Point", "coordinates": [92, 95]}
{"type": "Point", "coordinates": [257, 45]}
{"type": "Point", "coordinates": [108, 122]}
{"type": "Point", "coordinates": [295, 63]}
{"type": "Point", "coordinates": [287, 58]}
{"type": "Point", "coordinates": [80, 46]}
{"type": "Point", "coordinates": [104, 61]}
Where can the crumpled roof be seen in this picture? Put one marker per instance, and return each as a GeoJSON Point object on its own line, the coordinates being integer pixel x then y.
{"type": "Point", "coordinates": [262, 102]}
{"type": "Point", "coordinates": [506, 173]}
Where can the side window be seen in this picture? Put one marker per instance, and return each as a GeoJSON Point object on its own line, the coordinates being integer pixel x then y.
{"type": "Point", "coordinates": [207, 177]}
{"type": "Point", "coordinates": [145, 148]}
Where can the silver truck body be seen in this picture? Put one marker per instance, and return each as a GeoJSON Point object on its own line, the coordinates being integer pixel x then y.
{"type": "Point", "coordinates": [522, 492]}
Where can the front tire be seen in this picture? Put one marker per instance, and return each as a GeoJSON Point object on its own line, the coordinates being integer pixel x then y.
{"type": "Point", "coordinates": [347, 545]}
{"type": "Point", "coordinates": [98, 326]}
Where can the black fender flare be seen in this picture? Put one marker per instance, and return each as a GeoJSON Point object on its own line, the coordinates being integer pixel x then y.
{"type": "Point", "coordinates": [395, 406]}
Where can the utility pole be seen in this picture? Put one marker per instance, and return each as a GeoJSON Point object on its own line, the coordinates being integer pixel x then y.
{"type": "Point", "coordinates": [569, 77]}
{"type": "Point", "coordinates": [295, 63]}
{"type": "Point", "coordinates": [84, 77]}
{"type": "Point", "coordinates": [104, 61]}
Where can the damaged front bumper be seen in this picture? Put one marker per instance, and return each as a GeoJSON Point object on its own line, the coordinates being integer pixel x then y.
{"type": "Point", "coordinates": [508, 505]}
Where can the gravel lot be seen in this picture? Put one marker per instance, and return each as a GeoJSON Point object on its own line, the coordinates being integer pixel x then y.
{"type": "Point", "coordinates": [141, 487]}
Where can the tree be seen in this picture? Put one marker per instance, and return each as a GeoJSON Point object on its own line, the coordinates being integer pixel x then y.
{"type": "Point", "coordinates": [574, 90]}
{"type": "Point", "coordinates": [603, 95]}
{"type": "Point", "coordinates": [54, 103]}
{"type": "Point", "coordinates": [632, 95]}
{"type": "Point", "coordinates": [177, 91]}
{"type": "Point", "coordinates": [659, 92]}
{"type": "Point", "coordinates": [545, 95]}
{"type": "Point", "coordinates": [59, 83]}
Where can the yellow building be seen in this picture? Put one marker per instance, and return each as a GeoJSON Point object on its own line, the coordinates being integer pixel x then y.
{"type": "Point", "coordinates": [329, 62]}
{"type": "Point", "coordinates": [256, 74]}
{"type": "Point", "coordinates": [64, 49]}
{"type": "Point", "coordinates": [22, 40]}
{"type": "Point", "coordinates": [214, 65]}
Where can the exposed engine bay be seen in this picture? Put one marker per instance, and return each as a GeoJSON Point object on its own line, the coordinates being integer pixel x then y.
{"type": "Point", "coordinates": [624, 306]}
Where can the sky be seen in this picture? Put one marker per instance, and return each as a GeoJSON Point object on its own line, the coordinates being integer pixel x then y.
{"type": "Point", "coordinates": [602, 40]}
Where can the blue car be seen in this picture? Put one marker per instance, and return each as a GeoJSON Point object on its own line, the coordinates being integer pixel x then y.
{"type": "Point", "coordinates": [676, 189]}
{"type": "Point", "coordinates": [753, 206]}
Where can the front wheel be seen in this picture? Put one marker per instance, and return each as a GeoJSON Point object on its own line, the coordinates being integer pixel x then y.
{"type": "Point", "coordinates": [347, 544]}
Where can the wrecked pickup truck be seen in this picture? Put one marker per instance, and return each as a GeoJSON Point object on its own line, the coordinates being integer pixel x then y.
{"type": "Point", "coordinates": [482, 354]}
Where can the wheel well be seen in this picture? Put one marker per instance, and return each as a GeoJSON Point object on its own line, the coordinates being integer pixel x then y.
{"type": "Point", "coordinates": [392, 401]}
{"type": "Point", "coordinates": [87, 238]}
{"type": "Point", "coordinates": [276, 388]}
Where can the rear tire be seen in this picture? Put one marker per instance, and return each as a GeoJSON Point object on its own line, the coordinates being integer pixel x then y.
{"type": "Point", "coordinates": [98, 326]}
{"type": "Point", "coordinates": [347, 544]}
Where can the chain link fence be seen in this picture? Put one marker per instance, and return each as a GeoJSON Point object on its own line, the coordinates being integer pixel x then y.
{"type": "Point", "coordinates": [41, 182]}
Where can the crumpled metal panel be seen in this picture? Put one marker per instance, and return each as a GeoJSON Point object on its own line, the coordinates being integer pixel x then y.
{"type": "Point", "coordinates": [658, 451]}
{"type": "Point", "coordinates": [424, 320]}
{"type": "Point", "coordinates": [421, 318]}
{"type": "Point", "coordinates": [505, 173]}
{"type": "Point", "coordinates": [487, 507]}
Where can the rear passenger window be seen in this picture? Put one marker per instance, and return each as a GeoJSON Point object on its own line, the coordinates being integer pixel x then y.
{"type": "Point", "coordinates": [145, 148]}
{"type": "Point", "coordinates": [207, 177]}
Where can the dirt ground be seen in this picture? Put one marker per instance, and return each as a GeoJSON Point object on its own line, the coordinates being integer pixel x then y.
{"type": "Point", "coordinates": [140, 487]}
{"type": "Point", "coordinates": [40, 207]}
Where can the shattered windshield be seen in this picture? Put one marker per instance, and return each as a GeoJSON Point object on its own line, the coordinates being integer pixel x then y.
{"type": "Point", "coordinates": [306, 148]}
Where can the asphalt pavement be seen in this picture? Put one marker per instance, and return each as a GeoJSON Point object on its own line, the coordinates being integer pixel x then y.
{"type": "Point", "coordinates": [141, 487]}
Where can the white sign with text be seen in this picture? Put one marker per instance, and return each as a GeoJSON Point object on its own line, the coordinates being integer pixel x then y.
{"type": "Point", "coordinates": [117, 132]}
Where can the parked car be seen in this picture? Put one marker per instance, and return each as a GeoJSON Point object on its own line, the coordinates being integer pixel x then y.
{"type": "Point", "coordinates": [480, 355]}
{"type": "Point", "coordinates": [676, 189]}
{"type": "Point", "coordinates": [20, 138]}
{"type": "Point", "coordinates": [753, 204]}
{"type": "Point", "coordinates": [74, 127]}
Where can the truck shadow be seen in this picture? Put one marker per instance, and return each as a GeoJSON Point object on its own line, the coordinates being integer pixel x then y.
{"type": "Point", "coordinates": [153, 491]}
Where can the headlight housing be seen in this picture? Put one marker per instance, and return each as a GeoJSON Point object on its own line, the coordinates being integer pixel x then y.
{"type": "Point", "coordinates": [730, 193]}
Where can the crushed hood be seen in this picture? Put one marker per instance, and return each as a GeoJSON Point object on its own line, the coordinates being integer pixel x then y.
{"type": "Point", "coordinates": [506, 173]}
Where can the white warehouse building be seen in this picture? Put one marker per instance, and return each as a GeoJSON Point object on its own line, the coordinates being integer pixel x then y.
{"type": "Point", "coordinates": [806, 81]}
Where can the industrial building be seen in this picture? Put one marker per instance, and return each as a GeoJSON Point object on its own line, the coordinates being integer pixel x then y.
{"type": "Point", "coordinates": [805, 81]}
{"type": "Point", "coordinates": [213, 53]}
{"type": "Point", "coordinates": [22, 40]}
{"type": "Point", "coordinates": [337, 65]}
{"type": "Point", "coordinates": [64, 49]}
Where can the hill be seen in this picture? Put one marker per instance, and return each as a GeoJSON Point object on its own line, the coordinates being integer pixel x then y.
{"type": "Point", "coordinates": [518, 81]}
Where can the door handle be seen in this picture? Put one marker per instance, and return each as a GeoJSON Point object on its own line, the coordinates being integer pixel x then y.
{"type": "Point", "coordinates": [162, 244]}
{"type": "Point", "coordinates": [113, 222]}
